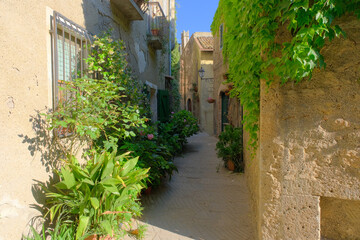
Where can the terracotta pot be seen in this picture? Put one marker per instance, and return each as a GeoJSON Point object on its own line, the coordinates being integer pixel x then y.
{"type": "Point", "coordinates": [95, 237]}
{"type": "Point", "coordinates": [210, 100]}
{"type": "Point", "coordinates": [155, 32]}
{"type": "Point", "coordinates": [230, 165]}
{"type": "Point", "coordinates": [92, 237]}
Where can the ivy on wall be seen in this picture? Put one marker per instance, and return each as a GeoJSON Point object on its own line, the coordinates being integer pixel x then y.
{"type": "Point", "coordinates": [175, 85]}
{"type": "Point", "coordinates": [254, 53]}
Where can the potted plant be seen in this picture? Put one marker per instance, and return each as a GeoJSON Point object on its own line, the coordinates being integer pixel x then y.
{"type": "Point", "coordinates": [155, 26]}
{"type": "Point", "coordinates": [195, 87]}
{"type": "Point", "coordinates": [229, 148]}
{"type": "Point", "coordinates": [210, 100]}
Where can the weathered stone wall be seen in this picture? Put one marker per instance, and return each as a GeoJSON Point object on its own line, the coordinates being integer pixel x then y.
{"type": "Point", "coordinates": [192, 58]}
{"type": "Point", "coordinates": [25, 63]}
{"type": "Point", "coordinates": [206, 89]}
{"type": "Point", "coordinates": [309, 148]}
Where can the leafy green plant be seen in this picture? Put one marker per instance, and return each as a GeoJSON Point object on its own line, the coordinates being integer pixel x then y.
{"type": "Point", "coordinates": [99, 197]}
{"type": "Point", "coordinates": [229, 147]}
{"type": "Point", "coordinates": [255, 50]}
{"type": "Point", "coordinates": [152, 155]}
{"type": "Point", "coordinates": [104, 109]}
{"type": "Point", "coordinates": [175, 85]}
{"type": "Point", "coordinates": [175, 132]}
{"type": "Point", "coordinates": [61, 231]}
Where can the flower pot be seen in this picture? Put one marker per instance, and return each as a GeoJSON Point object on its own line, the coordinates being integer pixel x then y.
{"type": "Point", "coordinates": [95, 237]}
{"type": "Point", "coordinates": [155, 32]}
{"type": "Point", "coordinates": [230, 165]}
{"type": "Point", "coordinates": [210, 100]}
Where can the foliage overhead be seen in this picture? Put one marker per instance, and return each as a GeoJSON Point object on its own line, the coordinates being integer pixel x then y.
{"type": "Point", "coordinates": [253, 51]}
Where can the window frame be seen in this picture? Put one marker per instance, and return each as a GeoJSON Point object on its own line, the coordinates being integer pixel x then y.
{"type": "Point", "coordinates": [221, 33]}
{"type": "Point", "coordinates": [73, 30]}
{"type": "Point", "coordinates": [65, 26]}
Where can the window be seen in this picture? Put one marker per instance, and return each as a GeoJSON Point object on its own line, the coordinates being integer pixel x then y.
{"type": "Point", "coordinates": [221, 31]}
{"type": "Point", "coordinates": [69, 46]}
{"type": "Point", "coordinates": [69, 49]}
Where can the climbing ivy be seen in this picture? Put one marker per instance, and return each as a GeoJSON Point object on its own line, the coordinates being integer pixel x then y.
{"type": "Point", "coordinates": [254, 52]}
{"type": "Point", "coordinates": [175, 85]}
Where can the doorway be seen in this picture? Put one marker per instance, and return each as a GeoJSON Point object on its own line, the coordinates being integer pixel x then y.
{"type": "Point", "coordinates": [224, 110]}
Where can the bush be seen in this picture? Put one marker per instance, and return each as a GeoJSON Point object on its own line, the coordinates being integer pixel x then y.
{"type": "Point", "coordinates": [175, 132]}
{"type": "Point", "coordinates": [230, 147]}
{"type": "Point", "coordinates": [152, 155]}
{"type": "Point", "coordinates": [99, 197]}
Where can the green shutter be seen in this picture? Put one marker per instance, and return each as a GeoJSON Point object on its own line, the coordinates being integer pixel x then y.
{"type": "Point", "coordinates": [163, 105]}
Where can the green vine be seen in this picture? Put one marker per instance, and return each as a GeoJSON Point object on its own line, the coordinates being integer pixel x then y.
{"type": "Point", "coordinates": [253, 51]}
{"type": "Point", "coordinates": [175, 85]}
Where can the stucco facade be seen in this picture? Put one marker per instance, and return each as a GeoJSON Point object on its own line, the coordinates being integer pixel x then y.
{"type": "Point", "coordinates": [26, 65]}
{"type": "Point", "coordinates": [309, 152]}
{"type": "Point", "coordinates": [305, 178]}
{"type": "Point", "coordinates": [197, 52]}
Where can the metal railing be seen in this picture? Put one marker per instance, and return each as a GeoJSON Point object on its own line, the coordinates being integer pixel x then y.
{"type": "Point", "coordinates": [158, 25]}
{"type": "Point", "coordinates": [142, 4]}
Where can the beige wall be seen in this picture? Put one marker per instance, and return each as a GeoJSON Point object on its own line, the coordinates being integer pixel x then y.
{"type": "Point", "coordinates": [192, 59]}
{"type": "Point", "coordinates": [304, 180]}
{"type": "Point", "coordinates": [309, 149]}
{"type": "Point", "coordinates": [25, 63]}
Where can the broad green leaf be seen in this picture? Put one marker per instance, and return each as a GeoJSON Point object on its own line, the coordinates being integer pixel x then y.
{"type": "Point", "coordinates": [94, 202]}
{"type": "Point", "coordinates": [83, 223]}
{"type": "Point", "coordinates": [128, 166]}
{"type": "Point", "coordinates": [68, 177]}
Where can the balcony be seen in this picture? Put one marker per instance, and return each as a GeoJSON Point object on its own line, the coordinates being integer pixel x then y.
{"type": "Point", "coordinates": [158, 29]}
{"type": "Point", "coordinates": [131, 9]}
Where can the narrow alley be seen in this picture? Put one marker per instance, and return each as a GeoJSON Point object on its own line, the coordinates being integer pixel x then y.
{"type": "Point", "coordinates": [202, 201]}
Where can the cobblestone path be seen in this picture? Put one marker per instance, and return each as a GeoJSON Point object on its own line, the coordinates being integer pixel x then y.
{"type": "Point", "coordinates": [199, 202]}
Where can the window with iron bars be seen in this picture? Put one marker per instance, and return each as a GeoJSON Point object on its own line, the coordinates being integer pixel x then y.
{"type": "Point", "coordinates": [69, 51]}
{"type": "Point", "coordinates": [69, 46]}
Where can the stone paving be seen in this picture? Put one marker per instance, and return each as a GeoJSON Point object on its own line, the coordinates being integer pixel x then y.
{"type": "Point", "coordinates": [203, 201]}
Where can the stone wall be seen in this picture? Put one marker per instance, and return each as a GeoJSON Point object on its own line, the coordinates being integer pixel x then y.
{"type": "Point", "coordinates": [194, 88]}
{"type": "Point", "coordinates": [309, 149]}
{"type": "Point", "coordinates": [26, 80]}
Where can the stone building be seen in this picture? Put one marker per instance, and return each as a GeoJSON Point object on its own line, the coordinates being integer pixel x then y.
{"type": "Point", "coordinates": [196, 54]}
{"type": "Point", "coordinates": [305, 178]}
{"type": "Point", "coordinates": [227, 110]}
{"type": "Point", "coordinates": [39, 41]}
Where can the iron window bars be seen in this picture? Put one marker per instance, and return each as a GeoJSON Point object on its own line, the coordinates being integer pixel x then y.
{"type": "Point", "coordinates": [69, 50]}
{"type": "Point", "coordinates": [69, 47]}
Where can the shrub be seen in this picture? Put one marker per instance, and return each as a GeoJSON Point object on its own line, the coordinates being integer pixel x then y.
{"type": "Point", "coordinates": [99, 197]}
{"type": "Point", "coordinates": [181, 126]}
{"type": "Point", "coordinates": [229, 147]}
{"type": "Point", "coordinates": [152, 155]}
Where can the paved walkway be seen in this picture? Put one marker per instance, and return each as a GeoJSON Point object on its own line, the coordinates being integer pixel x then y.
{"type": "Point", "coordinates": [199, 202]}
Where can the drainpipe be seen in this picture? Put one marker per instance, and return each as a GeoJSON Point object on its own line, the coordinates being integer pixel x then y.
{"type": "Point", "coordinates": [169, 37]}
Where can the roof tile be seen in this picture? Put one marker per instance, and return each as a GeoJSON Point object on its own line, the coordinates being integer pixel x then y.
{"type": "Point", "coordinates": [206, 42]}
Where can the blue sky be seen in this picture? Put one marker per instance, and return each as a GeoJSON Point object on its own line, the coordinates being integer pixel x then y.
{"type": "Point", "coordinates": [194, 15]}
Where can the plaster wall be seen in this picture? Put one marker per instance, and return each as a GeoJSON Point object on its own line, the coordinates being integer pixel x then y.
{"type": "Point", "coordinates": [206, 89]}
{"type": "Point", "coordinates": [192, 59]}
{"type": "Point", "coordinates": [25, 63]}
{"type": "Point", "coordinates": [309, 153]}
